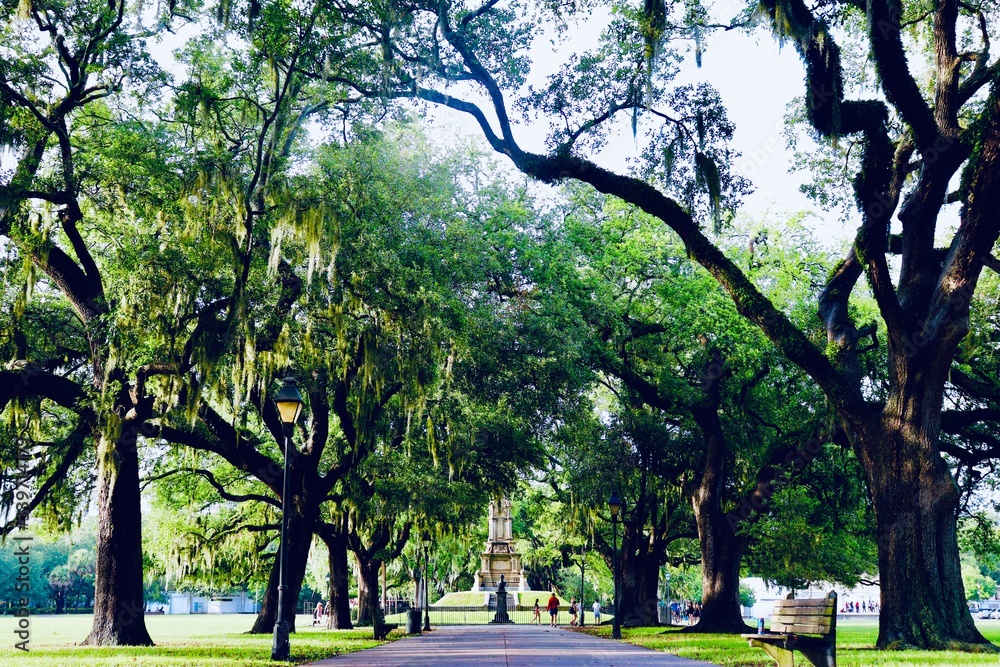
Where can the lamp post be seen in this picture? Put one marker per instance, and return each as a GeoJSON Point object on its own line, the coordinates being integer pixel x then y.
{"type": "Point", "coordinates": [426, 541]}
{"type": "Point", "coordinates": [583, 583]}
{"type": "Point", "coordinates": [670, 612]}
{"type": "Point", "coordinates": [289, 404]}
{"type": "Point", "coordinates": [615, 506]}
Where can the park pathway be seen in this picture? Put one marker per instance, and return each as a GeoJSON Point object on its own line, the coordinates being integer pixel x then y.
{"type": "Point", "coordinates": [505, 646]}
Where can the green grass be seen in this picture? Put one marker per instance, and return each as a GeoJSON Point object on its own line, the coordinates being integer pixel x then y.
{"type": "Point", "coordinates": [203, 640]}
{"type": "Point", "coordinates": [527, 598]}
{"type": "Point", "coordinates": [218, 641]}
{"type": "Point", "coordinates": [855, 648]}
{"type": "Point", "coordinates": [463, 598]}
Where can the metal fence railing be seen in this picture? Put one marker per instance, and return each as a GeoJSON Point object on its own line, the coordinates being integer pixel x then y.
{"type": "Point", "coordinates": [482, 615]}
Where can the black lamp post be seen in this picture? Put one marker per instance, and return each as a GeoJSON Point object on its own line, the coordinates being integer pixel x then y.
{"type": "Point", "coordinates": [615, 506]}
{"type": "Point", "coordinates": [670, 613]}
{"type": "Point", "coordinates": [426, 541]}
{"type": "Point", "coordinates": [289, 404]}
{"type": "Point", "coordinates": [583, 583]}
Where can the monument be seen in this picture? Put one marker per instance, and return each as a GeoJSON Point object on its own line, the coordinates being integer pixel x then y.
{"type": "Point", "coordinates": [501, 616]}
{"type": "Point", "coordinates": [500, 558]}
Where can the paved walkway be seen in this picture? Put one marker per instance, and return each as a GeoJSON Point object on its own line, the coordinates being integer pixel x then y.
{"type": "Point", "coordinates": [505, 646]}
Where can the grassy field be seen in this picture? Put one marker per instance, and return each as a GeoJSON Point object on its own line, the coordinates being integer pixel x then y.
{"type": "Point", "coordinates": [527, 598]}
{"type": "Point", "coordinates": [215, 640]}
{"type": "Point", "coordinates": [218, 641]}
{"type": "Point", "coordinates": [855, 642]}
{"type": "Point", "coordinates": [460, 599]}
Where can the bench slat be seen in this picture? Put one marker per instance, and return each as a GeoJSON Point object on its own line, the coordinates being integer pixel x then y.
{"type": "Point", "coordinates": [803, 604]}
{"type": "Point", "coordinates": [801, 629]}
{"type": "Point", "coordinates": [775, 624]}
{"type": "Point", "coordinates": [802, 614]}
{"type": "Point", "coordinates": [810, 618]}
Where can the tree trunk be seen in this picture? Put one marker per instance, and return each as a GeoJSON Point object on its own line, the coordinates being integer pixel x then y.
{"type": "Point", "coordinates": [721, 552]}
{"type": "Point", "coordinates": [340, 579]}
{"type": "Point", "coordinates": [299, 534]}
{"type": "Point", "coordinates": [721, 549]}
{"type": "Point", "coordinates": [922, 594]}
{"type": "Point", "coordinates": [369, 611]}
{"type": "Point", "coordinates": [119, 607]}
{"type": "Point", "coordinates": [639, 583]}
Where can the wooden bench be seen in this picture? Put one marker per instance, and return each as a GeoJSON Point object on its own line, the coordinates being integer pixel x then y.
{"type": "Point", "coordinates": [382, 630]}
{"type": "Point", "coordinates": [807, 626]}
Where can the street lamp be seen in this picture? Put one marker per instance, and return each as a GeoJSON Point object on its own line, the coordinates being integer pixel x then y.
{"type": "Point", "coordinates": [670, 612]}
{"type": "Point", "coordinates": [289, 404]}
{"type": "Point", "coordinates": [615, 506]}
{"type": "Point", "coordinates": [583, 582]}
{"type": "Point", "coordinates": [426, 541]}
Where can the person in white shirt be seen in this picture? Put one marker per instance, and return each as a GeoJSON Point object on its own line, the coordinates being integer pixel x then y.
{"type": "Point", "coordinates": [597, 612]}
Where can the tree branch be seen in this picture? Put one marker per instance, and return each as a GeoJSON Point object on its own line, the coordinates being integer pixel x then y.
{"type": "Point", "coordinates": [220, 489]}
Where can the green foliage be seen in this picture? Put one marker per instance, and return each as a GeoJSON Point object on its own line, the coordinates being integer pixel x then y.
{"type": "Point", "coordinates": [747, 597]}
{"type": "Point", "coordinates": [977, 585]}
{"type": "Point", "coordinates": [54, 563]}
{"type": "Point", "coordinates": [796, 545]}
{"type": "Point", "coordinates": [685, 583]}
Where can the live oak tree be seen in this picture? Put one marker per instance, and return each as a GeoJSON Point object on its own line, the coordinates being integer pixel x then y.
{"type": "Point", "coordinates": [62, 69]}
{"type": "Point", "coordinates": [638, 454]}
{"type": "Point", "coordinates": [168, 302]}
{"type": "Point", "coordinates": [383, 293]}
{"type": "Point", "coordinates": [357, 347]}
{"type": "Point", "coordinates": [703, 405]}
{"type": "Point", "coordinates": [914, 143]}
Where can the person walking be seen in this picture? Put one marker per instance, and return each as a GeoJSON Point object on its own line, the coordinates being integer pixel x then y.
{"type": "Point", "coordinates": [537, 617]}
{"type": "Point", "coordinates": [597, 612]}
{"type": "Point", "coordinates": [318, 613]}
{"type": "Point", "coordinates": [573, 611]}
{"type": "Point", "coordinates": [553, 607]}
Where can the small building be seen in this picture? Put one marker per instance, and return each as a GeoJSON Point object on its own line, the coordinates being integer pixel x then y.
{"type": "Point", "coordinates": [189, 603]}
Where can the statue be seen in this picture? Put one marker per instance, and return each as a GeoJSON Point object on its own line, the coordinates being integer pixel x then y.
{"type": "Point", "coordinates": [501, 616]}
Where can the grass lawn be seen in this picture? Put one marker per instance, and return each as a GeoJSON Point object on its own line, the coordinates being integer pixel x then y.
{"type": "Point", "coordinates": [527, 598]}
{"type": "Point", "coordinates": [855, 641]}
{"type": "Point", "coordinates": [215, 640]}
{"type": "Point", "coordinates": [460, 599]}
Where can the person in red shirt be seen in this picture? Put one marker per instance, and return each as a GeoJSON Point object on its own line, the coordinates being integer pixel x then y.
{"type": "Point", "coordinates": [553, 607]}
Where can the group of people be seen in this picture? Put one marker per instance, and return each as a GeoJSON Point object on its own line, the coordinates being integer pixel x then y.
{"type": "Point", "coordinates": [863, 607]}
{"type": "Point", "coordinates": [685, 612]}
{"type": "Point", "coordinates": [574, 611]}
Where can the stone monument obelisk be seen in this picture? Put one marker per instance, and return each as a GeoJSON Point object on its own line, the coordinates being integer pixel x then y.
{"type": "Point", "coordinates": [500, 558]}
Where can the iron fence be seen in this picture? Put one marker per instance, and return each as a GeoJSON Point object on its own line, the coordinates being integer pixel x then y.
{"type": "Point", "coordinates": [483, 614]}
